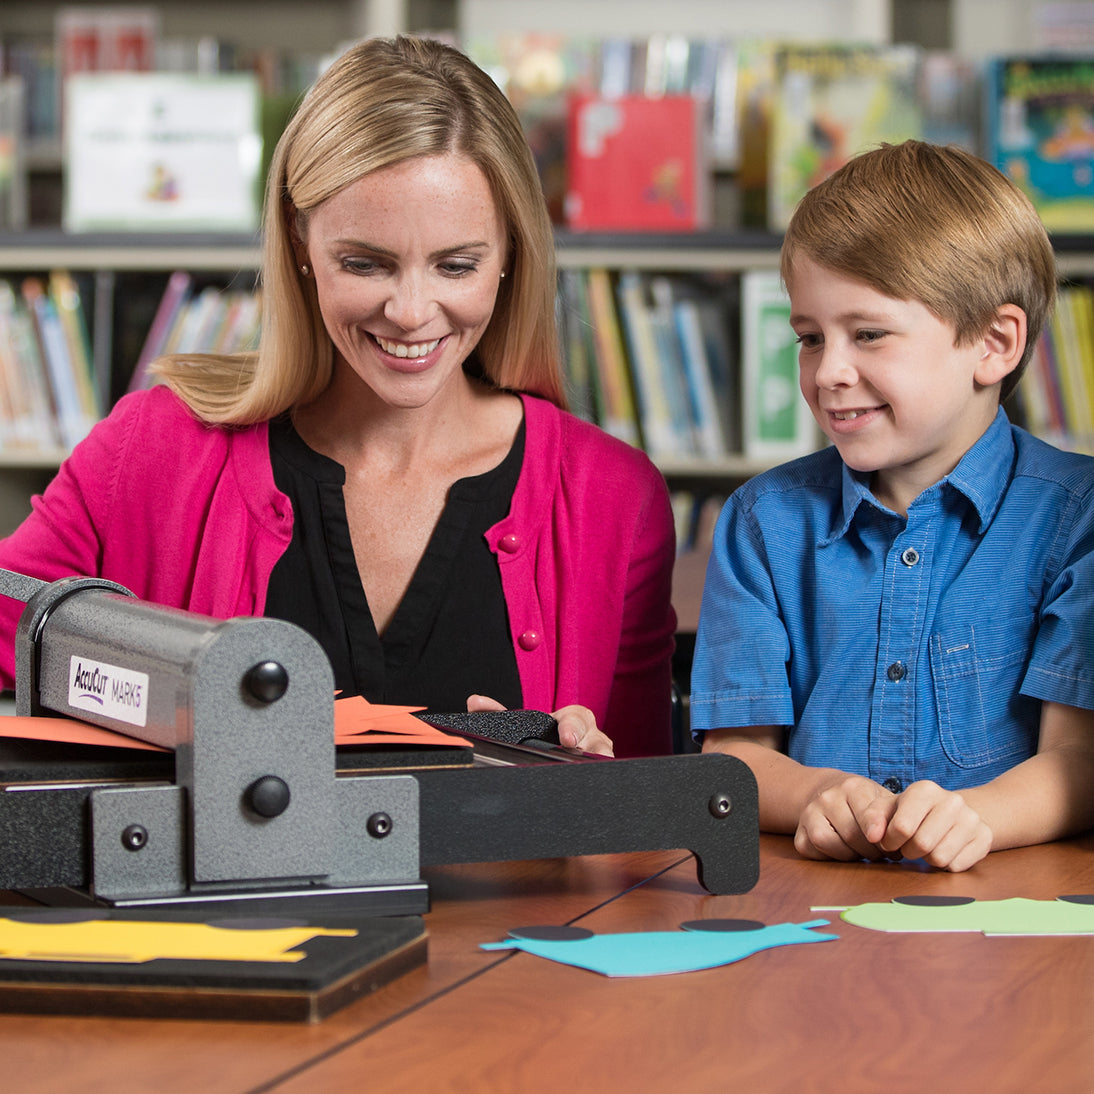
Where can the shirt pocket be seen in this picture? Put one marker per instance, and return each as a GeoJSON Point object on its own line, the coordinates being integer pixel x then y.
{"type": "Point", "coordinates": [983, 720]}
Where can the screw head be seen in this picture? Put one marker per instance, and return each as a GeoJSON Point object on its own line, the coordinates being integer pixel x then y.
{"type": "Point", "coordinates": [268, 796]}
{"type": "Point", "coordinates": [379, 825]}
{"type": "Point", "coordinates": [720, 805]}
{"type": "Point", "coordinates": [134, 837]}
{"type": "Point", "coordinates": [267, 681]}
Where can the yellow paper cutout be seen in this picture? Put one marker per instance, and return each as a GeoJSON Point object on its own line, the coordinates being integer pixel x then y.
{"type": "Point", "coordinates": [133, 941]}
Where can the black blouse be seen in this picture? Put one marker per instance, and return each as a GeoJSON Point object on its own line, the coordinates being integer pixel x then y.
{"type": "Point", "coordinates": [450, 635]}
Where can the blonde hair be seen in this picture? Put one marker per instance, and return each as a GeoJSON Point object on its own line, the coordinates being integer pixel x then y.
{"type": "Point", "coordinates": [936, 224]}
{"type": "Point", "coordinates": [382, 102]}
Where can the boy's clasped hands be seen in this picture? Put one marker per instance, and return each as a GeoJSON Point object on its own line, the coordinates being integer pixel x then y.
{"type": "Point", "coordinates": [851, 817]}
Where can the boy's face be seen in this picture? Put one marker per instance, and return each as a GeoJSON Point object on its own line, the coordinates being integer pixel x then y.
{"type": "Point", "coordinates": [886, 383]}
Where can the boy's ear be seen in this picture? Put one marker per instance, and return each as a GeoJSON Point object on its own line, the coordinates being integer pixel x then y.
{"type": "Point", "coordinates": [1002, 345]}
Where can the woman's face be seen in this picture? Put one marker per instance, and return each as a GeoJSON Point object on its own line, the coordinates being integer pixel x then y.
{"type": "Point", "coordinates": [407, 262]}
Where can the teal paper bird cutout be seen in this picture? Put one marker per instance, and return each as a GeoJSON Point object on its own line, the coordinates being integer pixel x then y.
{"type": "Point", "coordinates": [702, 944]}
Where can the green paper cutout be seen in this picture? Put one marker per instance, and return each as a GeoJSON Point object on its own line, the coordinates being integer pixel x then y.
{"type": "Point", "coordinates": [1014, 916]}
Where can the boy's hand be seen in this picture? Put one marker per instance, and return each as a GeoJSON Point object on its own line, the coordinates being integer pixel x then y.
{"type": "Point", "coordinates": [853, 817]}
{"type": "Point", "coordinates": [929, 823]}
{"type": "Point", "coordinates": [832, 823]}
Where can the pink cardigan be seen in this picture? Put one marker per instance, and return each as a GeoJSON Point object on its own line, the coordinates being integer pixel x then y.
{"type": "Point", "coordinates": [187, 515]}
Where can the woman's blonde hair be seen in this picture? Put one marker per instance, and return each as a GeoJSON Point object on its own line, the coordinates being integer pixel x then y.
{"type": "Point", "coordinates": [936, 224]}
{"type": "Point", "coordinates": [382, 102]}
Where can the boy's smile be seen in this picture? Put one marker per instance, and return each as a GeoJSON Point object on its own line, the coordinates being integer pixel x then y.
{"type": "Point", "coordinates": [886, 382]}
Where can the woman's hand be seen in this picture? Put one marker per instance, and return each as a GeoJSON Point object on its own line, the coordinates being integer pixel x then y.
{"type": "Point", "coordinates": [576, 726]}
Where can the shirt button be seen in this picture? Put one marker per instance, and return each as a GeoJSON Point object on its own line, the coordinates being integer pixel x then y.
{"type": "Point", "coordinates": [896, 671]}
{"type": "Point", "coordinates": [510, 544]}
{"type": "Point", "coordinates": [910, 556]}
{"type": "Point", "coordinates": [529, 640]}
{"type": "Point", "coordinates": [893, 784]}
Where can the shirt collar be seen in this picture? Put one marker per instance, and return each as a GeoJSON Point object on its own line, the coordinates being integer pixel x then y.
{"type": "Point", "coordinates": [982, 476]}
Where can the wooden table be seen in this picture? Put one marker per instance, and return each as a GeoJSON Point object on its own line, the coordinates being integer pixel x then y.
{"type": "Point", "coordinates": [869, 1012]}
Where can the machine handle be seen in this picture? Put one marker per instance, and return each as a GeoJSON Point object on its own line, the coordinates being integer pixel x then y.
{"type": "Point", "coordinates": [19, 586]}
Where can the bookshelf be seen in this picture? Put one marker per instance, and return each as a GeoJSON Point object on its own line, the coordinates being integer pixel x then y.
{"type": "Point", "coordinates": [111, 263]}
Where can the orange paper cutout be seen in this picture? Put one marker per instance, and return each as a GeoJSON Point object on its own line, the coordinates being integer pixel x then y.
{"type": "Point", "coordinates": [356, 722]}
{"type": "Point", "coordinates": [70, 731]}
{"type": "Point", "coordinates": [359, 722]}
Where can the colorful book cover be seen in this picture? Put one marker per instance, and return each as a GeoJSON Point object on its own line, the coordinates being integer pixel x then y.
{"type": "Point", "coordinates": [175, 295]}
{"type": "Point", "coordinates": [36, 424]}
{"type": "Point", "coordinates": [699, 370]}
{"type": "Point", "coordinates": [72, 419]}
{"type": "Point", "coordinates": [1066, 324]}
{"type": "Point", "coordinates": [637, 164]}
{"type": "Point", "coordinates": [67, 302]}
{"type": "Point", "coordinates": [1036, 399]}
{"type": "Point", "coordinates": [829, 103]}
{"type": "Point", "coordinates": [754, 70]}
{"type": "Point", "coordinates": [672, 367]}
{"type": "Point", "coordinates": [620, 414]}
{"type": "Point", "coordinates": [162, 151]}
{"type": "Point", "coordinates": [1039, 130]}
{"type": "Point", "coordinates": [778, 424]}
{"type": "Point", "coordinates": [660, 435]}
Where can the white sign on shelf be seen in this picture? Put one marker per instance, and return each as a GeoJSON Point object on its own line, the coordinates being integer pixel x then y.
{"type": "Point", "coordinates": [162, 151]}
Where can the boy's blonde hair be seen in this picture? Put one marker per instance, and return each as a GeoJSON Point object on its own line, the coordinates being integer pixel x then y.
{"type": "Point", "coordinates": [385, 101]}
{"type": "Point", "coordinates": [936, 224]}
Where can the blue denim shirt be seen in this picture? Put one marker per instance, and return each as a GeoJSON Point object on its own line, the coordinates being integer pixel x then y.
{"type": "Point", "coordinates": [903, 648]}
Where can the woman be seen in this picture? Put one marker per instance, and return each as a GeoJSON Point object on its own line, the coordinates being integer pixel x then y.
{"type": "Point", "coordinates": [393, 470]}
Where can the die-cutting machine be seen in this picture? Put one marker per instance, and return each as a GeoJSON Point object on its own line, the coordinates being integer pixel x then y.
{"type": "Point", "coordinates": [254, 804]}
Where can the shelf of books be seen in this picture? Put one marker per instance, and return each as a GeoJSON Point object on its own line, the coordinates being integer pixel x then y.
{"type": "Point", "coordinates": [193, 294]}
{"type": "Point", "coordinates": [670, 165]}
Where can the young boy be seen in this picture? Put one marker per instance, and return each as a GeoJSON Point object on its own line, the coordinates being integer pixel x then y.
{"type": "Point", "coordinates": [896, 632]}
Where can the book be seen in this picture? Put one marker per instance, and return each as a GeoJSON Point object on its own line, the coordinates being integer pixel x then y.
{"type": "Point", "coordinates": [778, 424]}
{"type": "Point", "coordinates": [1036, 399]}
{"type": "Point", "coordinates": [161, 151]}
{"type": "Point", "coordinates": [615, 384]}
{"type": "Point", "coordinates": [1071, 370]}
{"type": "Point", "coordinates": [951, 97]}
{"type": "Point", "coordinates": [13, 168]}
{"type": "Point", "coordinates": [754, 69]}
{"type": "Point", "coordinates": [73, 421]}
{"type": "Point", "coordinates": [36, 63]}
{"type": "Point", "coordinates": [33, 425]}
{"type": "Point", "coordinates": [663, 435]}
{"type": "Point", "coordinates": [578, 346]}
{"type": "Point", "coordinates": [1039, 131]}
{"type": "Point", "coordinates": [725, 104]}
{"type": "Point", "coordinates": [699, 369]}
{"type": "Point", "coordinates": [106, 39]}
{"type": "Point", "coordinates": [830, 102]}
{"type": "Point", "coordinates": [719, 314]}
{"type": "Point", "coordinates": [240, 327]}
{"type": "Point", "coordinates": [671, 366]}
{"type": "Point", "coordinates": [171, 303]}
{"type": "Point", "coordinates": [637, 163]}
{"type": "Point", "coordinates": [67, 303]}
